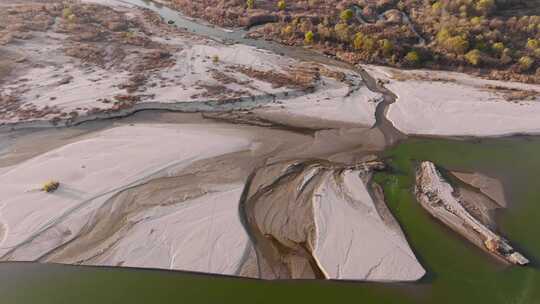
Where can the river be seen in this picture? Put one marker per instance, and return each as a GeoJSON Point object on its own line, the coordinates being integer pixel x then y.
{"type": "Point", "coordinates": [457, 271]}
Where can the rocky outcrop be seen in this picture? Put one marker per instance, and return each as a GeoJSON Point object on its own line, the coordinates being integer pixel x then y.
{"type": "Point", "coordinates": [440, 199]}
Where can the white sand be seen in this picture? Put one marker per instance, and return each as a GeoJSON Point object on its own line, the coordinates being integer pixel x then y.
{"type": "Point", "coordinates": [462, 107]}
{"type": "Point", "coordinates": [91, 171]}
{"type": "Point", "coordinates": [353, 242]}
{"type": "Point", "coordinates": [331, 103]}
{"type": "Point", "coordinates": [203, 234]}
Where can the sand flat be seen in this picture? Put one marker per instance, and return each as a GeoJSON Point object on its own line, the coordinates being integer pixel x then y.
{"type": "Point", "coordinates": [456, 104]}
{"type": "Point", "coordinates": [353, 242]}
{"type": "Point", "coordinates": [96, 168]}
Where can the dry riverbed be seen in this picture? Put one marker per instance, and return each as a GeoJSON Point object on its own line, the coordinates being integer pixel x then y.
{"type": "Point", "coordinates": [66, 63]}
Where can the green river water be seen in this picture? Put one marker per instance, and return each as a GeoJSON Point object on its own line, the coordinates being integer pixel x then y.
{"type": "Point", "coordinates": [457, 271]}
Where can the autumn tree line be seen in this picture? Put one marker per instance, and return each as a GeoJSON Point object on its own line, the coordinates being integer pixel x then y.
{"type": "Point", "coordinates": [451, 34]}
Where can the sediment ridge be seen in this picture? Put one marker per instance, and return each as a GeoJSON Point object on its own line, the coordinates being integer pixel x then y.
{"type": "Point", "coordinates": [440, 199]}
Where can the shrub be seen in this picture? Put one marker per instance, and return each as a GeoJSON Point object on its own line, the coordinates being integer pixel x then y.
{"type": "Point", "coordinates": [533, 44]}
{"type": "Point", "coordinates": [477, 20]}
{"type": "Point", "coordinates": [443, 35]}
{"type": "Point", "coordinates": [525, 63]}
{"type": "Point", "coordinates": [387, 47]}
{"type": "Point", "coordinates": [287, 30]}
{"type": "Point", "coordinates": [413, 57]}
{"type": "Point", "coordinates": [457, 44]}
{"type": "Point", "coordinates": [358, 41]}
{"type": "Point", "coordinates": [498, 47]}
{"type": "Point", "coordinates": [342, 32]}
{"type": "Point", "coordinates": [50, 186]}
{"type": "Point", "coordinates": [485, 7]}
{"type": "Point", "coordinates": [368, 44]}
{"type": "Point", "coordinates": [215, 59]}
{"type": "Point", "coordinates": [437, 6]}
{"type": "Point", "coordinates": [282, 5]}
{"type": "Point", "coordinates": [473, 57]}
{"type": "Point", "coordinates": [66, 12]}
{"type": "Point", "coordinates": [250, 4]}
{"type": "Point", "coordinates": [346, 15]}
{"type": "Point", "coordinates": [308, 37]}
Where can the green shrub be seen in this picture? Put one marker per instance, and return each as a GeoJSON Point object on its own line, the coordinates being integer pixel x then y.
{"type": "Point", "coordinates": [369, 44]}
{"type": "Point", "coordinates": [66, 12]}
{"type": "Point", "coordinates": [443, 35]}
{"type": "Point", "coordinates": [533, 44]}
{"type": "Point", "coordinates": [50, 186]}
{"type": "Point", "coordinates": [498, 47]}
{"type": "Point", "coordinates": [457, 44]}
{"type": "Point", "coordinates": [346, 15]}
{"type": "Point", "coordinates": [342, 32]}
{"type": "Point", "coordinates": [308, 37]}
{"type": "Point", "coordinates": [358, 41]}
{"type": "Point", "coordinates": [287, 30]}
{"type": "Point", "coordinates": [485, 7]}
{"type": "Point", "coordinates": [477, 20]}
{"type": "Point", "coordinates": [474, 57]}
{"type": "Point", "coordinates": [282, 5]}
{"type": "Point", "coordinates": [250, 4]}
{"type": "Point", "coordinates": [387, 47]}
{"type": "Point", "coordinates": [437, 6]}
{"type": "Point", "coordinates": [413, 57]}
{"type": "Point", "coordinates": [525, 63]}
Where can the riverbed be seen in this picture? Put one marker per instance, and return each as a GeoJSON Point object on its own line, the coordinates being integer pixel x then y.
{"type": "Point", "coordinates": [456, 270]}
